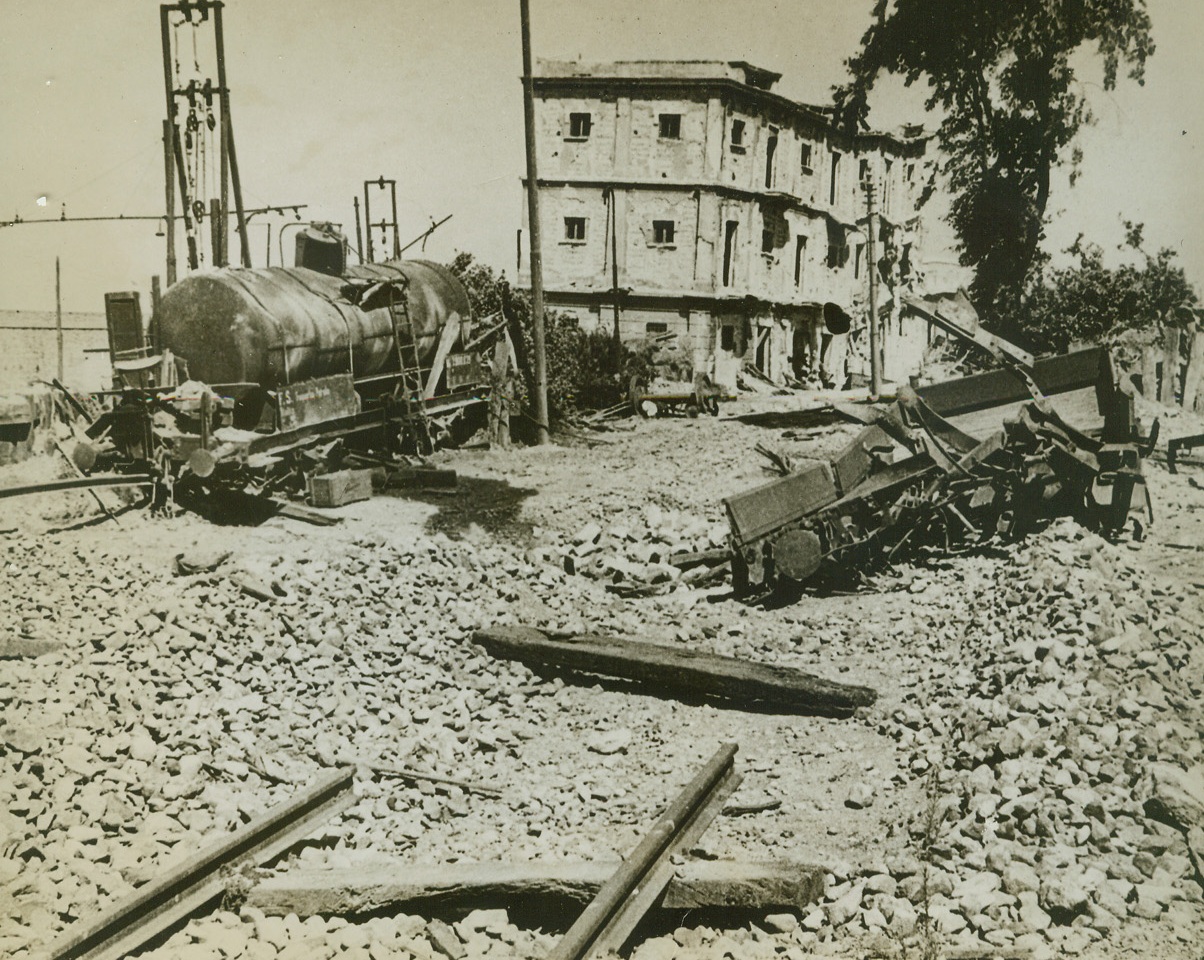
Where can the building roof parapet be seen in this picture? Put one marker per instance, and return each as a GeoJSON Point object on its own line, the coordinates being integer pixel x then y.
{"type": "Point", "coordinates": [737, 76]}
{"type": "Point", "coordinates": [739, 70]}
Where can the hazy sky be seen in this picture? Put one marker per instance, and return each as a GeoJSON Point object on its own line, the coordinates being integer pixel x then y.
{"type": "Point", "coordinates": [326, 95]}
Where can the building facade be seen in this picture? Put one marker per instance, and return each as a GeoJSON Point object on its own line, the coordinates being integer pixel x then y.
{"type": "Point", "coordinates": [688, 198]}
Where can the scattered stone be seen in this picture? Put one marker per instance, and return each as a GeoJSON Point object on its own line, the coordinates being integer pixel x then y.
{"type": "Point", "coordinates": [861, 795]}
{"type": "Point", "coordinates": [610, 741]}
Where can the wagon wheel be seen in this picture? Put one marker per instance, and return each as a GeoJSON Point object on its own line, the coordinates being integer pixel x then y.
{"type": "Point", "coordinates": [640, 405]}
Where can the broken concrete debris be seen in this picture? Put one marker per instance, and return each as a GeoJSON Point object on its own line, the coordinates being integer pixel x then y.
{"type": "Point", "coordinates": [1038, 720]}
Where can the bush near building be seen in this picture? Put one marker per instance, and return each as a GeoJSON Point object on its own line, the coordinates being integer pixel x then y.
{"type": "Point", "coordinates": [587, 370]}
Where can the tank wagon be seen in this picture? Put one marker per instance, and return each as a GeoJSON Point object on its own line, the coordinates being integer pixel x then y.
{"type": "Point", "coordinates": [245, 366]}
{"type": "Point", "coordinates": [277, 326]}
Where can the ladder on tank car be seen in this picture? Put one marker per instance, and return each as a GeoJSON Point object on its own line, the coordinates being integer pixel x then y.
{"type": "Point", "coordinates": [410, 387]}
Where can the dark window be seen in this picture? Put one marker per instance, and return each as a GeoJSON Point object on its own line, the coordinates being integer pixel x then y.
{"type": "Point", "coordinates": [662, 231]}
{"type": "Point", "coordinates": [574, 228]}
{"type": "Point", "coordinates": [905, 262]}
{"type": "Point", "coordinates": [727, 337]}
{"type": "Point", "coordinates": [767, 241]}
{"type": "Point", "coordinates": [858, 251]}
{"type": "Point", "coordinates": [671, 126]}
{"type": "Point", "coordinates": [835, 177]}
{"type": "Point", "coordinates": [656, 327]}
{"type": "Point", "coordinates": [579, 124]}
{"type": "Point", "coordinates": [729, 252]}
{"type": "Point", "coordinates": [738, 134]}
{"type": "Point", "coordinates": [771, 147]}
{"type": "Point", "coordinates": [800, 259]}
{"type": "Point", "coordinates": [805, 161]}
{"type": "Point", "coordinates": [909, 172]}
{"type": "Point", "coordinates": [863, 171]}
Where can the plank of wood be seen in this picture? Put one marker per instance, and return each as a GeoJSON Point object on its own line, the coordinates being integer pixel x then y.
{"type": "Point", "coordinates": [19, 648]}
{"type": "Point", "coordinates": [295, 512]}
{"type": "Point", "coordinates": [80, 483]}
{"type": "Point", "coordinates": [675, 670]}
{"type": "Point", "coordinates": [372, 883]}
{"type": "Point", "coordinates": [447, 338]}
{"type": "Point", "coordinates": [686, 561]}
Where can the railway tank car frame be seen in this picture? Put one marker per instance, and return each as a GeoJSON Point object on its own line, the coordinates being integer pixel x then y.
{"type": "Point", "coordinates": [244, 369]}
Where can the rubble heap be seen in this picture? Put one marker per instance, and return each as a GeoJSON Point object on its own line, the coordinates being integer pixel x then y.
{"type": "Point", "coordinates": [1061, 736]}
{"type": "Point", "coordinates": [1040, 709]}
{"type": "Point", "coordinates": [641, 552]}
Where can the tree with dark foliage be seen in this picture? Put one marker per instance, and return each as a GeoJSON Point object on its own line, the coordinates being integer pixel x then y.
{"type": "Point", "coordinates": [1090, 303]}
{"type": "Point", "coordinates": [999, 72]}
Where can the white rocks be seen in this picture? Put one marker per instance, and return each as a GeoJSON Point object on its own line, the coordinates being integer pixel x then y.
{"type": "Point", "coordinates": [860, 796]}
{"type": "Point", "coordinates": [781, 922]}
{"type": "Point", "coordinates": [610, 741]}
{"type": "Point", "coordinates": [1178, 794]}
{"type": "Point", "coordinates": [1019, 877]}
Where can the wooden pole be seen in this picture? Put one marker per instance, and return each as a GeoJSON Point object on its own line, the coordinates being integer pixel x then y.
{"type": "Point", "coordinates": [156, 296]}
{"type": "Point", "coordinates": [368, 224]}
{"type": "Point", "coordinates": [541, 368]}
{"type": "Point", "coordinates": [169, 191]}
{"type": "Point", "coordinates": [614, 256]}
{"type": "Point", "coordinates": [58, 315]}
{"type": "Point", "coordinates": [216, 232]}
{"type": "Point", "coordinates": [872, 267]}
{"type": "Point", "coordinates": [228, 137]}
{"type": "Point", "coordinates": [359, 236]}
{"type": "Point", "coordinates": [169, 147]}
{"type": "Point", "coordinates": [396, 225]}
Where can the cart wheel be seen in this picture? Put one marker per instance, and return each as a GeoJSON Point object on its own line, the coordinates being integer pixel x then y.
{"type": "Point", "coordinates": [647, 408]}
{"type": "Point", "coordinates": [692, 410]}
{"type": "Point", "coordinates": [635, 392]}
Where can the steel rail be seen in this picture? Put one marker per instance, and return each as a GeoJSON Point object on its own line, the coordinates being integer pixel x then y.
{"type": "Point", "coordinates": [161, 904]}
{"type": "Point", "coordinates": [611, 916]}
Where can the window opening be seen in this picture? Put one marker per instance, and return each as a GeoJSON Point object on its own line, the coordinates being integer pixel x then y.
{"type": "Point", "coordinates": [579, 124]}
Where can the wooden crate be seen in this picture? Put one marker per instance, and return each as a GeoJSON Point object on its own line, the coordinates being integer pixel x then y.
{"type": "Point", "coordinates": [336, 489]}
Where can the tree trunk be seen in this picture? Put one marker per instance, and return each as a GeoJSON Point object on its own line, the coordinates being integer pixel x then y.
{"type": "Point", "coordinates": [1150, 355]}
{"type": "Point", "coordinates": [1170, 366]}
{"type": "Point", "coordinates": [1195, 369]}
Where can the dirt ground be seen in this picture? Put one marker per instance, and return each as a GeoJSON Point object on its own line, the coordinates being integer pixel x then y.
{"type": "Point", "coordinates": [1030, 700]}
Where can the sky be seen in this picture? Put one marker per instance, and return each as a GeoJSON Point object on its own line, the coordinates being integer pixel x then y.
{"type": "Point", "coordinates": [325, 96]}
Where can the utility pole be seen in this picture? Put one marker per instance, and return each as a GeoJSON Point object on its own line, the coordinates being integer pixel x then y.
{"type": "Point", "coordinates": [169, 226]}
{"type": "Point", "coordinates": [359, 236]}
{"type": "Point", "coordinates": [228, 154]}
{"type": "Point", "coordinates": [541, 367]}
{"type": "Point", "coordinates": [58, 314]}
{"type": "Point", "coordinates": [614, 258]}
{"type": "Point", "coordinates": [872, 265]}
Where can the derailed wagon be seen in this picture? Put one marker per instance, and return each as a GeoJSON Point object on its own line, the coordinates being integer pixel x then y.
{"type": "Point", "coordinates": [924, 472]}
{"type": "Point", "coordinates": [246, 370]}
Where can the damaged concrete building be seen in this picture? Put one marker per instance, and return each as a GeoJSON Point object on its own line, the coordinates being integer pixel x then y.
{"type": "Point", "coordinates": [688, 198]}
